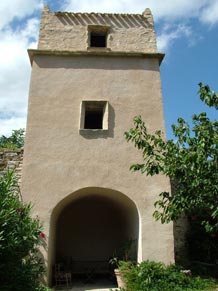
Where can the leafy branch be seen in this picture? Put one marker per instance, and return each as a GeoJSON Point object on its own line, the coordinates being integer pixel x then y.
{"type": "Point", "coordinates": [190, 160]}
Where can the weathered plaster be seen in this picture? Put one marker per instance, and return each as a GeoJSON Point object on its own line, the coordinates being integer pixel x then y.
{"type": "Point", "coordinates": [69, 31]}
{"type": "Point", "coordinates": [60, 160]}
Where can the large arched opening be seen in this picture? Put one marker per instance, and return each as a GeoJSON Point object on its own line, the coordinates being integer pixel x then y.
{"type": "Point", "coordinates": [89, 227]}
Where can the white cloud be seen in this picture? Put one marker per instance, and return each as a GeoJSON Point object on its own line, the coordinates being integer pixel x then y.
{"type": "Point", "coordinates": [18, 9]}
{"type": "Point", "coordinates": [14, 63]}
{"type": "Point", "coordinates": [32, 29]}
{"type": "Point", "coordinates": [169, 34]}
{"type": "Point", "coordinates": [210, 14]}
{"type": "Point", "coordinates": [7, 125]}
{"type": "Point", "coordinates": [177, 9]}
{"type": "Point", "coordinates": [14, 74]}
{"type": "Point", "coordinates": [92, 6]}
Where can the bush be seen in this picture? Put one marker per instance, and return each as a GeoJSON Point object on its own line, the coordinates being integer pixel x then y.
{"type": "Point", "coordinates": [20, 237]}
{"type": "Point", "coordinates": [15, 141]}
{"type": "Point", "coordinates": [152, 276]}
{"type": "Point", "coordinates": [202, 246]}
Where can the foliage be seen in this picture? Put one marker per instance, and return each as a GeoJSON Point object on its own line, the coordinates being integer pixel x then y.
{"type": "Point", "coordinates": [202, 246]}
{"type": "Point", "coordinates": [208, 96]}
{"type": "Point", "coordinates": [190, 160]}
{"type": "Point", "coordinates": [16, 140]}
{"type": "Point", "coordinates": [20, 238]}
{"type": "Point", "coordinates": [155, 276]}
{"type": "Point", "coordinates": [123, 253]}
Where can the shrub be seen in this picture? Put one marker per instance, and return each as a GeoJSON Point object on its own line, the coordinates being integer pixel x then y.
{"type": "Point", "coordinates": [153, 276]}
{"type": "Point", "coordinates": [15, 141]}
{"type": "Point", "coordinates": [202, 246]}
{"type": "Point", "coordinates": [20, 237]}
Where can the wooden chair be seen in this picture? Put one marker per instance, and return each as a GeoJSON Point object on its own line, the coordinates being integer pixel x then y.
{"type": "Point", "coordinates": [62, 278]}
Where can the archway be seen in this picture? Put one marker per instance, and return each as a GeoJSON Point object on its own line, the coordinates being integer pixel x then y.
{"type": "Point", "coordinates": [90, 226]}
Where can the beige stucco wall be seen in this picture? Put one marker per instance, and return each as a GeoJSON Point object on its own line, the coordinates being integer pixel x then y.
{"type": "Point", "coordinates": [69, 31]}
{"type": "Point", "coordinates": [60, 160]}
{"type": "Point", "coordinates": [63, 163]}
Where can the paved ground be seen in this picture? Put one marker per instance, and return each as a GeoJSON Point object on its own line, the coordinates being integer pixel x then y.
{"type": "Point", "coordinates": [100, 285]}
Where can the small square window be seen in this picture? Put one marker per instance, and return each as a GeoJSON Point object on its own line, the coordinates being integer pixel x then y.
{"type": "Point", "coordinates": [97, 36]}
{"type": "Point", "coordinates": [98, 39]}
{"type": "Point", "coordinates": [94, 115]}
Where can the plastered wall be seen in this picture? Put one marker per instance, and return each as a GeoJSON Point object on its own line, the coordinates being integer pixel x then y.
{"type": "Point", "coordinates": [60, 159]}
{"type": "Point", "coordinates": [62, 162]}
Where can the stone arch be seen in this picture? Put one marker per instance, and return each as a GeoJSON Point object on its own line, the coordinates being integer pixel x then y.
{"type": "Point", "coordinates": [91, 224]}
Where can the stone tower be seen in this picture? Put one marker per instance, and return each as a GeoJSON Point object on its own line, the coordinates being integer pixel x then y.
{"type": "Point", "coordinates": [91, 74]}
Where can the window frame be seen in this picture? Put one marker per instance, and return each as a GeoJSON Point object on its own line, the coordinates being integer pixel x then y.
{"type": "Point", "coordinates": [95, 103]}
{"type": "Point", "coordinates": [98, 29]}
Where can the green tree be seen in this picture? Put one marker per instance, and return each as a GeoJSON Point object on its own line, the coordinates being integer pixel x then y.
{"type": "Point", "coordinates": [20, 237]}
{"type": "Point", "coordinates": [190, 161]}
{"type": "Point", "coordinates": [16, 140]}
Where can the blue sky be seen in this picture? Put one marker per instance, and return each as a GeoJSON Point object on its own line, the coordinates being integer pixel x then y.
{"type": "Point", "coordinates": [187, 31]}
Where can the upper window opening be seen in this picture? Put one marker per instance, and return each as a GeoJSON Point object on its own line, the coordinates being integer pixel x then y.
{"type": "Point", "coordinates": [98, 39]}
{"type": "Point", "coordinates": [97, 36]}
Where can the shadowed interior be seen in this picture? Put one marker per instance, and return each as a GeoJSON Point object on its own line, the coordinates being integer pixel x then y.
{"type": "Point", "coordinates": [92, 229]}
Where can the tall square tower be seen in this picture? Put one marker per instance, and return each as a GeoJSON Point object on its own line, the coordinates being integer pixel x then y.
{"type": "Point", "coordinates": [91, 74]}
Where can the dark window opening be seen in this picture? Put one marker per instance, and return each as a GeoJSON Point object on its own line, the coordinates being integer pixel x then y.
{"type": "Point", "coordinates": [94, 115]}
{"type": "Point", "coordinates": [98, 39]}
{"type": "Point", "coordinates": [94, 119]}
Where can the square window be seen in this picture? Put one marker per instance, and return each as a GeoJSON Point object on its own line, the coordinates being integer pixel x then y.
{"type": "Point", "coordinates": [94, 115]}
{"type": "Point", "coordinates": [97, 36]}
{"type": "Point", "coordinates": [98, 39]}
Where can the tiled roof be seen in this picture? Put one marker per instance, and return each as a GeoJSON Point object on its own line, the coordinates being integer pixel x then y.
{"type": "Point", "coordinates": [118, 20]}
{"type": "Point", "coordinates": [97, 14]}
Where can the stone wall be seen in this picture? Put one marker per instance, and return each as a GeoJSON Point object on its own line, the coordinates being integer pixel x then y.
{"type": "Point", "coordinates": [12, 160]}
{"type": "Point", "coordinates": [70, 31]}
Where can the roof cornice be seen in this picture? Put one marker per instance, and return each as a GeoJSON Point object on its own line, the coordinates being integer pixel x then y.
{"type": "Point", "coordinates": [105, 52]}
